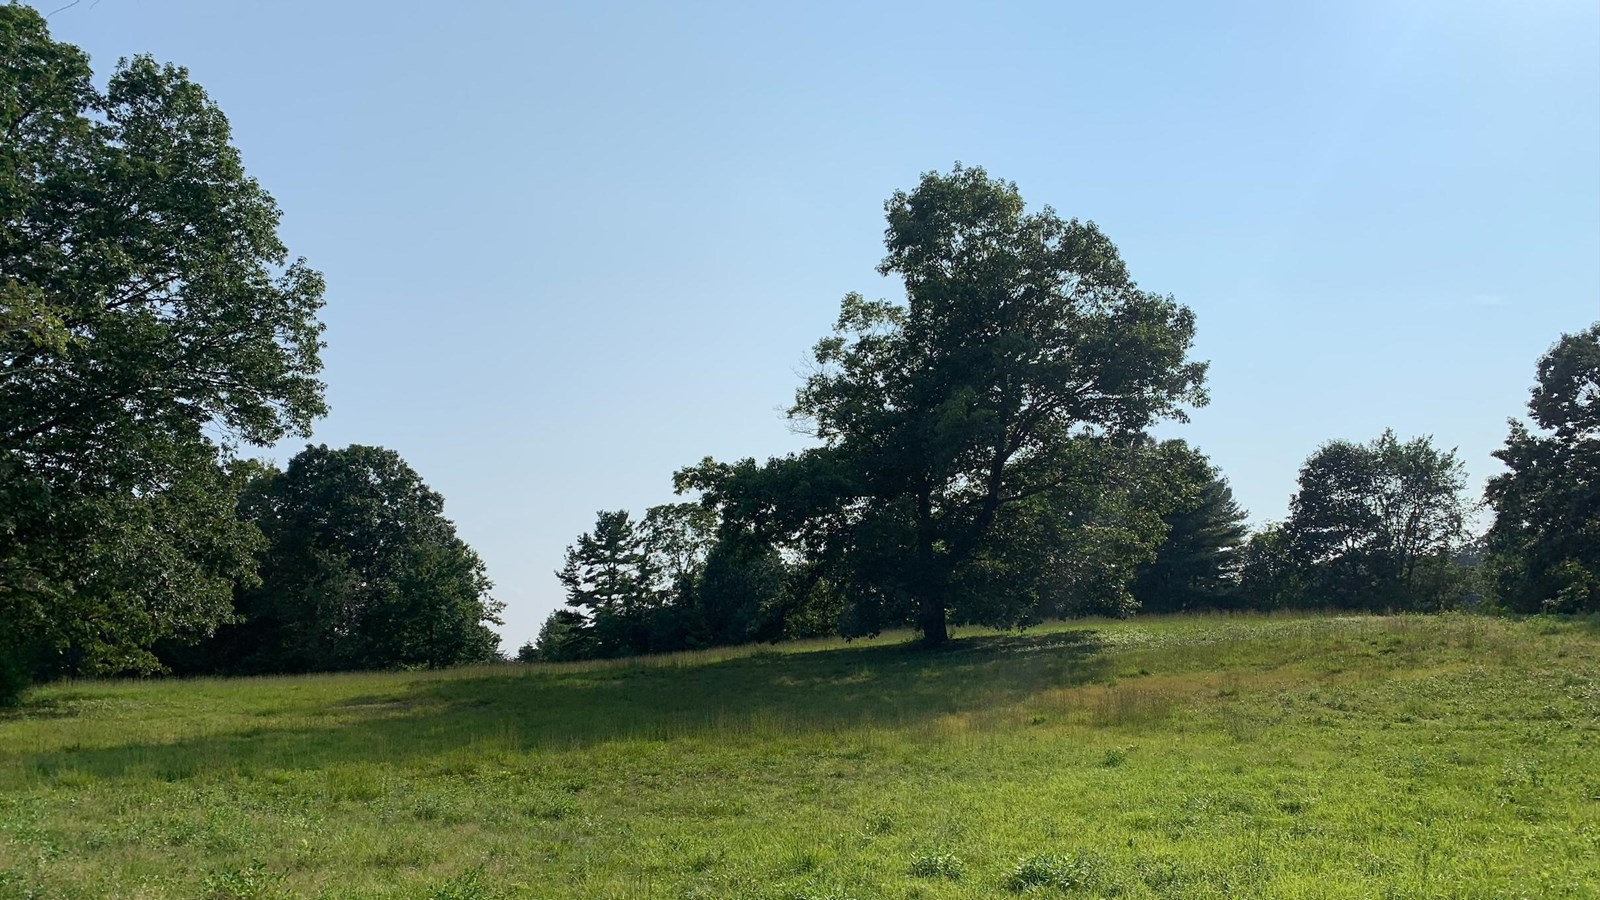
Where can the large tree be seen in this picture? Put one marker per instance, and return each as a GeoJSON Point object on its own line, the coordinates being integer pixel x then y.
{"type": "Point", "coordinates": [1197, 564]}
{"type": "Point", "coordinates": [1023, 350]}
{"type": "Point", "coordinates": [361, 571]}
{"type": "Point", "coordinates": [150, 322]}
{"type": "Point", "coordinates": [1545, 542]}
{"type": "Point", "coordinates": [1378, 525]}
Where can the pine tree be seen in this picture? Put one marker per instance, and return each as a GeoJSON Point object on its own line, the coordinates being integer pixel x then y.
{"type": "Point", "coordinates": [608, 578]}
{"type": "Point", "coordinates": [1196, 567]}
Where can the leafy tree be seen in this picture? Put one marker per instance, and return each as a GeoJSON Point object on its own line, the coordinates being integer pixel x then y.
{"type": "Point", "coordinates": [945, 416]}
{"type": "Point", "coordinates": [740, 595]}
{"type": "Point", "coordinates": [1196, 566]}
{"type": "Point", "coordinates": [361, 571]}
{"type": "Point", "coordinates": [1270, 575]}
{"type": "Point", "coordinates": [1545, 543]}
{"type": "Point", "coordinates": [1376, 525]}
{"type": "Point", "coordinates": [1074, 550]}
{"type": "Point", "coordinates": [675, 580]}
{"type": "Point", "coordinates": [676, 539]}
{"type": "Point", "coordinates": [150, 322]}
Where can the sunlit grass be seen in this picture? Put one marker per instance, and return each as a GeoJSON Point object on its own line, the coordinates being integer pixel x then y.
{"type": "Point", "coordinates": [1166, 757]}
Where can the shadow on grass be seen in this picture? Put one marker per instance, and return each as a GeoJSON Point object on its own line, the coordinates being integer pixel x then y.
{"type": "Point", "coordinates": [61, 706]}
{"type": "Point", "coordinates": [521, 709]}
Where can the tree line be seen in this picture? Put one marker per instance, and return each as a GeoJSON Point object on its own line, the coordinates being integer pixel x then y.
{"type": "Point", "coordinates": [984, 457]}
{"type": "Point", "coordinates": [983, 452]}
{"type": "Point", "coordinates": [1378, 526]}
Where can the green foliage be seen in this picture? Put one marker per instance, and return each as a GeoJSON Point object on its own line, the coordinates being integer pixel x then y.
{"type": "Point", "coordinates": [249, 882]}
{"type": "Point", "coordinates": [466, 886]}
{"type": "Point", "coordinates": [565, 636]}
{"type": "Point", "coordinates": [1270, 576]}
{"type": "Point", "coordinates": [968, 409]}
{"type": "Point", "coordinates": [1073, 550]}
{"type": "Point", "coordinates": [150, 322]}
{"type": "Point", "coordinates": [610, 582]}
{"type": "Point", "coordinates": [1377, 526]}
{"type": "Point", "coordinates": [740, 593]}
{"type": "Point", "coordinates": [361, 570]}
{"type": "Point", "coordinates": [1197, 564]}
{"type": "Point", "coordinates": [671, 582]}
{"type": "Point", "coordinates": [1545, 544]}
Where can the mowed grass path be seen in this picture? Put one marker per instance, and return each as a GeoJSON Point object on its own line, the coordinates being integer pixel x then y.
{"type": "Point", "coordinates": [1166, 757]}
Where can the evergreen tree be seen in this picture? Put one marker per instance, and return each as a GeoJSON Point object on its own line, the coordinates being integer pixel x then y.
{"type": "Point", "coordinates": [1197, 564]}
{"type": "Point", "coordinates": [610, 582]}
{"type": "Point", "coordinates": [564, 637]}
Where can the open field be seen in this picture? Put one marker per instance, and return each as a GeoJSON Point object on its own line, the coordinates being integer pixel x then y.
{"type": "Point", "coordinates": [1166, 757]}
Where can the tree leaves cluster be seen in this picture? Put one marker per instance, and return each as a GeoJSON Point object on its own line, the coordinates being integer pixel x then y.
{"type": "Point", "coordinates": [1375, 526]}
{"type": "Point", "coordinates": [360, 570]}
{"type": "Point", "coordinates": [1544, 548]}
{"type": "Point", "coordinates": [983, 453]}
{"type": "Point", "coordinates": [152, 324]}
{"type": "Point", "coordinates": [1385, 525]}
{"type": "Point", "coordinates": [1197, 565]}
{"type": "Point", "coordinates": [671, 581]}
{"type": "Point", "coordinates": [980, 441]}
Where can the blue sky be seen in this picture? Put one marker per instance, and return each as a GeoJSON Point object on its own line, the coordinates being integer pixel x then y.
{"type": "Point", "coordinates": [573, 247]}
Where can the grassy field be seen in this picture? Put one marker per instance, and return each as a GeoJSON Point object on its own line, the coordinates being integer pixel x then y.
{"type": "Point", "coordinates": [1166, 757]}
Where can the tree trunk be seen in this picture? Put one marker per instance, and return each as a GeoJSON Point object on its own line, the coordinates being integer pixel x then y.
{"type": "Point", "coordinates": [931, 579]}
{"type": "Point", "coordinates": [930, 618]}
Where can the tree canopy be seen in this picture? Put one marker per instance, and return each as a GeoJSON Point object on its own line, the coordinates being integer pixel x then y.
{"type": "Point", "coordinates": [361, 570]}
{"type": "Point", "coordinates": [983, 449]}
{"type": "Point", "coordinates": [1023, 361]}
{"type": "Point", "coordinates": [671, 581]}
{"type": "Point", "coordinates": [1197, 564]}
{"type": "Point", "coordinates": [151, 322]}
{"type": "Point", "coordinates": [1377, 525]}
{"type": "Point", "coordinates": [1545, 543]}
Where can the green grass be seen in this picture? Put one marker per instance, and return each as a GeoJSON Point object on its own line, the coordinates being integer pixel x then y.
{"type": "Point", "coordinates": [1166, 757]}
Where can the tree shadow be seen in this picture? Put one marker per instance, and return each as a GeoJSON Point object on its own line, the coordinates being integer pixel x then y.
{"type": "Point", "coordinates": [767, 693]}
{"type": "Point", "coordinates": [59, 706]}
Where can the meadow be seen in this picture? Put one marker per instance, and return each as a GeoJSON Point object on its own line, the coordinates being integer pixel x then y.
{"type": "Point", "coordinates": [1192, 757]}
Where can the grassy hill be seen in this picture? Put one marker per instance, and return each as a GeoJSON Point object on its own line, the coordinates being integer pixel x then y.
{"type": "Point", "coordinates": [1165, 757]}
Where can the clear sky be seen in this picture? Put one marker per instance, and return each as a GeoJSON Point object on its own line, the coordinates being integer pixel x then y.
{"type": "Point", "coordinates": [573, 247]}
